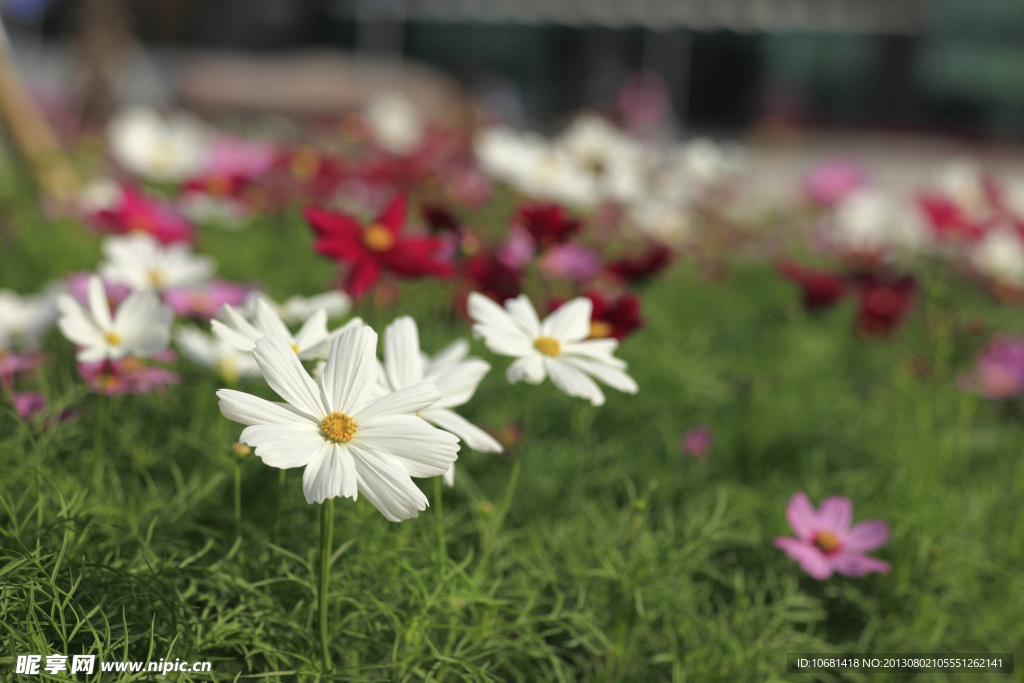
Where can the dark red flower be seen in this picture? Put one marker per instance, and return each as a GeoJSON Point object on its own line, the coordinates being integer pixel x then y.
{"type": "Point", "coordinates": [439, 218]}
{"type": "Point", "coordinates": [884, 303]}
{"type": "Point", "coordinates": [547, 223]}
{"type": "Point", "coordinates": [641, 266]}
{"type": "Point", "coordinates": [375, 247]}
{"type": "Point", "coordinates": [615, 317]}
{"type": "Point", "coordinates": [488, 275]}
{"type": "Point", "coordinates": [820, 289]}
{"type": "Point", "coordinates": [318, 175]}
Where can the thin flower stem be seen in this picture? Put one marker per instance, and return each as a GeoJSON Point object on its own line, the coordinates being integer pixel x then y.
{"type": "Point", "coordinates": [499, 519]}
{"type": "Point", "coordinates": [97, 439]}
{"type": "Point", "coordinates": [442, 541]}
{"type": "Point", "coordinates": [238, 498]}
{"type": "Point", "coordinates": [326, 531]}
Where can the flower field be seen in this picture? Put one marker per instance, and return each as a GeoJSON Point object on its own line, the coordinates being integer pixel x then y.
{"type": "Point", "coordinates": [514, 409]}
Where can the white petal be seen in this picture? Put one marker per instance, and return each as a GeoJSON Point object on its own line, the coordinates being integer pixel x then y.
{"type": "Point", "coordinates": [402, 359]}
{"type": "Point", "coordinates": [386, 483]}
{"type": "Point", "coordinates": [143, 324]}
{"type": "Point", "coordinates": [284, 446]}
{"type": "Point", "coordinates": [458, 383]}
{"type": "Point", "coordinates": [267, 321]}
{"type": "Point", "coordinates": [285, 375]}
{"type": "Point", "coordinates": [523, 312]}
{"type": "Point", "coordinates": [424, 450]}
{"type": "Point", "coordinates": [452, 354]}
{"type": "Point", "coordinates": [313, 331]}
{"type": "Point", "coordinates": [235, 330]}
{"type": "Point", "coordinates": [449, 476]}
{"type": "Point", "coordinates": [253, 410]}
{"type": "Point", "coordinates": [77, 325]}
{"type": "Point", "coordinates": [530, 368]}
{"type": "Point", "coordinates": [331, 474]}
{"type": "Point", "coordinates": [600, 350]}
{"type": "Point", "coordinates": [574, 382]}
{"type": "Point", "coordinates": [408, 401]}
{"type": "Point", "coordinates": [500, 332]}
{"type": "Point", "coordinates": [351, 370]}
{"type": "Point", "coordinates": [612, 376]}
{"type": "Point", "coordinates": [99, 306]}
{"type": "Point", "coordinates": [475, 438]}
{"type": "Point", "coordinates": [571, 322]}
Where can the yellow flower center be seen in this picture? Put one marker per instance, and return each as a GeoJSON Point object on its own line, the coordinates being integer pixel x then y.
{"type": "Point", "coordinates": [548, 346]}
{"type": "Point", "coordinates": [113, 338]}
{"type": "Point", "coordinates": [305, 164]}
{"type": "Point", "coordinates": [156, 277]}
{"type": "Point", "coordinates": [827, 542]}
{"type": "Point", "coordinates": [339, 427]}
{"type": "Point", "coordinates": [295, 348]}
{"type": "Point", "coordinates": [599, 329]}
{"type": "Point", "coordinates": [378, 238]}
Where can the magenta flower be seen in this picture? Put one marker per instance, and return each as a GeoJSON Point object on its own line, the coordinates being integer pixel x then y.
{"type": "Point", "coordinates": [570, 262]}
{"type": "Point", "coordinates": [126, 376]}
{"type": "Point", "coordinates": [830, 181]}
{"type": "Point", "coordinates": [205, 303]}
{"type": "Point", "coordinates": [230, 156]}
{"type": "Point", "coordinates": [28, 404]}
{"type": "Point", "coordinates": [77, 285]}
{"type": "Point", "coordinates": [697, 442]}
{"type": "Point", "coordinates": [825, 542]}
{"type": "Point", "coordinates": [12, 364]}
{"type": "Point", "coordinates": [999, 372]}
{"type": "Point", "coordinates": [138, 212]}
{"type": "Point", "coordinates": [517, 251]}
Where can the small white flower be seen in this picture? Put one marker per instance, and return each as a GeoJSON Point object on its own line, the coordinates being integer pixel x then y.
{"type": "Point", "coordinates": [312, 341]}
{"type": "Point", "coordinates": [141, 326]}
{"type": "Point", "coordinates": [348, 441]}
{"type": "Point", "coordinates": [1000, 255]}
{"type": "Point", "coordinates": [556, 347]}
{"type": "Point", "coordinates": [335, 303]}
{"type": "Point", "coordinates": [394, 123]}
{"type": "Point", "coordinates": [455, 376]}
{"type": "Point", "coordinates": [142, 263]}
{"type": "Point", "coordinates": [162, 149]}
{"type": "Point", "coordinates": [25, 319]}
{"type": "Point", "coordinates": [868, 219]}
{"type": "Point", "coordinates": [224, 359]}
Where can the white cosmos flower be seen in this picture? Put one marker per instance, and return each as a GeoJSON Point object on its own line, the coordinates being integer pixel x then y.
{"type": "Point", "coordinates": [335, 303]}
{"type": "Point", "coordinates": [455, 376]}
{"type": "Point", "coordinates": [141, 262]}
{"type": "Point", "coordinates": [1000, 255]}
{"type": "Point", "coordinates": [141, 326]}
{"type": "Point", "coordinates": [869, 219]}
{"type": "Point", "coordinates": [394, 123]}
{"type": "Point", "coordinates": [25, 319]}
{"type": "Point", "coordinates": [556, 347]}
{"type": "Point", "coordinates": [162, 149]}
{"type": "Point", "coordinates": [224, 359]}
{"type": "Point", "coordinates": [312, 341]}
{"type": "Point", "coordinates": [348, 441]}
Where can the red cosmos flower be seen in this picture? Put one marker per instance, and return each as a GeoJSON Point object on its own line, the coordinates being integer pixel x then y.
{"type": "Point", "coordinates": [820, 288]}
{"type": "Point", "coordinates": [439, 218]}
{"type": "Point", "coordinates": [641, 266]}
{"type": "Point", "coordinates": [489, 276]}
{"type": "Point", "coordinates": [616, 317]}
{"type": "Point", "coordinates": [547, 223]}
{"type": "Point", "coordinates": [318, 175]}
{"type": "Point", "coordinates": [376, 247]}
{"type": "Point", "coordinates": [948, 220]}
{"type": "Point", "coordinates": [220, 185]}
{"type": "Point", "coordinates": [136, 212]}
{"type": "Point", "coordinates": [884, 303]}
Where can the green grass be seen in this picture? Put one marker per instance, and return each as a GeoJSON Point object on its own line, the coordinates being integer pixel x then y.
{"type": "Point", "coordinates": [616, 557]}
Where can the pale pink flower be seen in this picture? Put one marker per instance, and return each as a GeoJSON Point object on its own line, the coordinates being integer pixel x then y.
{"type": "Point", "coordinates": [206, 302]}
{"type": "Point", "coordinates": [517, 251]}
{"type": "Point", "coordinates": [825, 542]}
{"type": "Point", "coordinates": [234, 156]}
{"type": "Point", "coordinates": [999, 372]}
{"type": "Point", "coordinates": [126, 376]}
{"type": "Point", "coordinates": [570, 262]}
{"type": "Point", "coordinates": [697, 442]}
{"type": "Point", "coordinates": [77, 285]}
{"type": "Point", "coordinates": [12, 364]}
{"type": "Point", "coordinates": [830, 181]}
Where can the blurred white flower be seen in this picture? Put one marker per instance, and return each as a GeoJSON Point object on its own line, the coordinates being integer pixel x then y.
{"type": "Point", "coordinates": [869, 220]}
{"type": "Point", "coordinates": [347, 441]}
{"type": "Point", "coordinates": [963, 180]}
{"type": "Point", "coordinates": [663, 221]}
{"type": "Point", "coordinates": [455, 376]}
{"type": "Point", "coordinates": [224, 359]}
{"type": "Point", "coordinates": [394, 123]}
{"type": "Point", "coordinates": [335, 303]}
{"type": "Point", "coordinates": [556, 347]}
{"type": "Point", "coordinates": [312, 341]}
{"type": "Point", "coordinates": [140, 327]}
{"type": "Point", "coordinates": [1000, 256]}
{"type": "Point", "coordinates": [612, 161]}
{"type": "Point", "coordinates": [707, 163]}
{"type": "Point", "coordinates": [139, 261]}
{"type": "Point", "coordinates": [25, 319]}
{"type": "Point", "coordinates": [162, 149]}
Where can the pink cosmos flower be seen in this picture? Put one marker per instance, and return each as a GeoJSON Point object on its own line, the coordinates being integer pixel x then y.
{"type": "Point", "coordinates": [126, 376]}
{"type": "Point", "coordinates": [830, 181]}
{"type": "Point", "coordinates": [28, 404]}
{"type": "Point", "coordinates": [205, 303]}
{"type": "Point", "coordinates": [137, 212]}
{"type": "Point", "coordinates": [517, 251]}
{"type": "Point", "coordinates": [12, 364]}
{"type": "Point", "coordinates": [825, 542]}
{"type": "Point", "coordinates": [77, 285]}
{"type": "Point", "coordinates": [697, 442]}
{"type": "Point", "coordinates": [570, 262]}
{"type": "Point", "coordinates": [999, 372]}
{"type": "Point", "coordinates": [230, 156]}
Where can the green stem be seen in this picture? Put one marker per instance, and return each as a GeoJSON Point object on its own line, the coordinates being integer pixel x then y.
{"type": "Point", "coordinates": [442, 542]}
{"type": "Point", "coordinates": [97, 440]}
{"type": "Point", "coordinates": [238, 498]}
{"type": "Point", "coordinates": [499, 520]}
{"type": "Point", "coordinates": [326, 531]}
